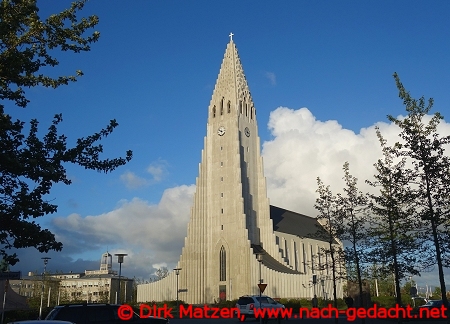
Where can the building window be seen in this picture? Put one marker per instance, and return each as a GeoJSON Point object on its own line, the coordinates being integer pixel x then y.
{"type": "Point", "coordinates": [221, 107]}
{"type": "Point", "coordinates": [221, 194]}
{"type": "Point", "coordinates": [221, 210]}
{"type": "Point", "coordinates": [240, 106]}
{"type": "Point", "coordinates": [229, 107]}
{"type": "Point", "coordinates": [295, 256]}
{"type": "Point", "coordinates": [214, 111]}
{"type": "Point", "coordinates": [287, 251]}
{"type": "Point", "coordinates": [223, 264]}
{"type": "Point", "coordinates": [221, 163]}
{"type": "Point", "coordinates": [304, 259]}
{"type": "Point", "coordinates": [221, 178]}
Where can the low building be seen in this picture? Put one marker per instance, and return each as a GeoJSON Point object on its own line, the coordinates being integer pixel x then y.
{"type": "Point", "coordinates": [92, 286]}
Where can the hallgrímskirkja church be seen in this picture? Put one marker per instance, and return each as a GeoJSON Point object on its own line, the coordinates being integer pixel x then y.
{"type": "Point", "coordinates": [235, 238]}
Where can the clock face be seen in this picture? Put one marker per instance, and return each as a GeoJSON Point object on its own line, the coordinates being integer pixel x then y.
{"type": "Point", "coordinates": [221, 131]}
{"type": "Point", "coordinates": [247, 132]}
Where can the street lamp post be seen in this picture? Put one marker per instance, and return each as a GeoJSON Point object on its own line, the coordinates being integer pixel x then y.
{"type": "Point", "coordinates": [120, 257]}
{"type": "Point", "coordinates": [177, 273]}
{"type": "Point", "coordinates": [322, 282]}
{"type": "Point", "coordinates": [259, 257]}
{"type": "Point", "coordinates": [43, 283]}
{"type": "Point", "coordinates": [314, 282]}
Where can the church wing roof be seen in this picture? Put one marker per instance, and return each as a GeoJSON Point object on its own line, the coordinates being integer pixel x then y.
{"type": "Point", "coordinates": [270, 262]}
{"type": "Point", "coordinates": [289, 222]}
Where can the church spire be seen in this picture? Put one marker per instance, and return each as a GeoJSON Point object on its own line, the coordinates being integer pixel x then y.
{"type": "Point", "coordinates": [231, 93]}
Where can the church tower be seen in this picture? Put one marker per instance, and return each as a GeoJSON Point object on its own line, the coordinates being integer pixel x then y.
{"type": "Point", "coordinates": [230, 222]}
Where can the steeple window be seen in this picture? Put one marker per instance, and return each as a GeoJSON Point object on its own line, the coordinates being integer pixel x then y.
{"type": "Point", "coordinates": [223, 264]}
{"type": "Point", "coordinates": [229, 106]}
{"type": "Point", "coordinates": [221, 107]}
{"type": "Point", "coordinates": [240, 106]}
{"type": "Point", "coordinates": [214, 111]}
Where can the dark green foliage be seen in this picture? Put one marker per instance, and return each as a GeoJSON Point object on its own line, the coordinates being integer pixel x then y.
{"type": "Point", "coordinates": [294, 304]}
{"type": "Point", "coordinates": [331, 231]}
{"type": "Point", "coordinates": [353, 205]}
{"type": "Point", "coordinates": [423, 146]}
{"type": "Point", "coordinates": [226, 303]}
{"type": "Point", "coordinates": [27, 43]}
{"type": "Point", "coordinates": [22, 315]}
{"type": "Point", "coordinates": [30, 165]}
{"type": "Point", "coordinates": [395, 244]}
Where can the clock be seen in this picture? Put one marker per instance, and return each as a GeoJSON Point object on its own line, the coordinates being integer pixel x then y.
{"type": "Point", "coordinates": [247, 132]}
{"type": "Point", "coordinates": [221, 131]}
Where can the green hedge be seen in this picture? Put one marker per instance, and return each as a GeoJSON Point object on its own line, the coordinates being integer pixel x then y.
{"type": "Point", "coordinates": [390, 301]}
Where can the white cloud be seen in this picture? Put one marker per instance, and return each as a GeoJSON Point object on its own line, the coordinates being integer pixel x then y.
{"type": "Point", "coordinates": [158, 170]}
{"type": "Point", "coordinates": [304, 148]}
{"type": "Point", "coordinates": [149, 234]}
{"type": "Point", "coordinates": [157, 266]}
{"type": "Point", "coordinates": [132, 181]}
{"type": "Point", "coordinates": [272, 77]}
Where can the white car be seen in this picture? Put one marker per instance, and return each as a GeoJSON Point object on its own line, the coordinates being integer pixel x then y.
{"type": "Point", "coordinates": [247, 304]}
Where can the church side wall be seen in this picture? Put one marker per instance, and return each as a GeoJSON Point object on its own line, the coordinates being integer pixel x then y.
{"type": "Point", "coordinates": [285, 285]}
{"type": "Point", "coordinates": [162, 290]}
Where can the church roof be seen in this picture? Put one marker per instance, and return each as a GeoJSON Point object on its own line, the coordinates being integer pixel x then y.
{"type": "Point", "coordinates": [289, 222]}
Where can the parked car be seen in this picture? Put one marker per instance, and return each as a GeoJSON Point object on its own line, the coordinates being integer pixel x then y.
{"type": "Point", "coordinates": [247, 304]}
{"type": "Point", "coordinates": [432, 304]}
{"type": "Point", "coordinates": [98, 313]}
{"type": "Point", "coordinates": [41, 322]}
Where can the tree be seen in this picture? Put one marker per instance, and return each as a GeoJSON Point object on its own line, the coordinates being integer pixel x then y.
{"type": "Point", "coordinates": [331, 230]}
{"type": "Point", "coordinates": [353, 206]}
{"type": "Point", "coordinates": [30, 165]}
{"type": "Point", "coordinates": [393, 227]}
{"type": "Point", "coordinates": [27, 41]}
{"type": "Point", "coordinates": [161, 273]}
{"type": "Point", "coordinates": [425, 149]}
{"type": "Point", "coordinates": [382, 283]}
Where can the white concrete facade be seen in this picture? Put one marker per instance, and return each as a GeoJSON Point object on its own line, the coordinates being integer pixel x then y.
{"type": "Point", "coordinates": [230, 218]}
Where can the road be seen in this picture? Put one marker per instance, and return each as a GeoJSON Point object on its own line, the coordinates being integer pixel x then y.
{"type": "Point", "coordinates": [341, 320]}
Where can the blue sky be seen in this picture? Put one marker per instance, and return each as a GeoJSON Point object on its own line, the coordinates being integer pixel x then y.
{"type": "Point", "coordinates": [154, 70]}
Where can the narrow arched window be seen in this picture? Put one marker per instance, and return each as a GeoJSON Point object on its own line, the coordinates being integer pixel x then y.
{"type": "Point", "coordinates": [223, 264]}
{"type": "Point", "coordinates": [214, 111]}
{"type": "Point", "coordinates": [229, 107]}
{"type": "Point", "coordinates": [240, 106]}
{"type": "Point", "coordinates": [221, 107]}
